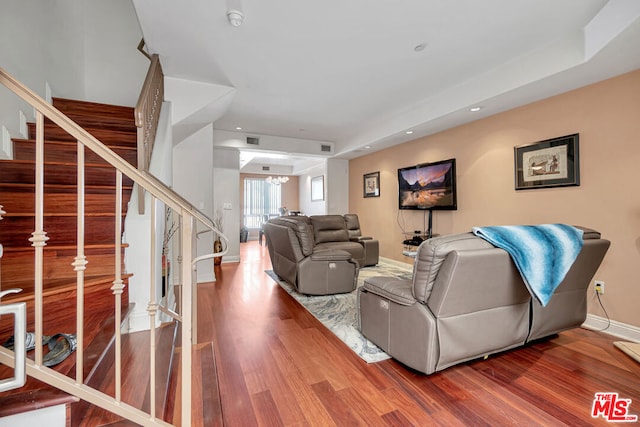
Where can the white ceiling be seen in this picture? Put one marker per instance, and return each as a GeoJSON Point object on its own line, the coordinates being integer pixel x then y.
{"type": "Point", "coordinates": [347, 72]}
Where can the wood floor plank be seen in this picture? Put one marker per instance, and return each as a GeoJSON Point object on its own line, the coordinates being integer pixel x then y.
{"type": "Point", "coordinates": [356, 401]}
{"type": "Point", "coordinates": [266, 409]}
{"type": "Point", "coordinates": [315, 412]}
{"type": "Point", "coordinates": [235, 398]}
{"type": "Point", "coordinates": [279, 389]}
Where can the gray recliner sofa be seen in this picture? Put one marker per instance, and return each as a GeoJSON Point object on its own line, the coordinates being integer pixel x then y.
{"type": "Point", "coordinates": [296, 259]}
{"type": "Point", "coordinates": [466, 300]}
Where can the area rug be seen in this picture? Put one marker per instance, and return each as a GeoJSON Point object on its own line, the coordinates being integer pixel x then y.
{"type": "Point", "coordinates": [339, 312]}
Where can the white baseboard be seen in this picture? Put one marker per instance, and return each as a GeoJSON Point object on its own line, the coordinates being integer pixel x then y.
{"type": "Point", "coordinates": [617, 329]}
{"type": "Point", "coordinates": [139, 321]}
{"type": "Point", "coordinates": [24, 127]}
{"type": "Point", "coordinates": [396, 263]}
{"type": "Point", "coordinates": [51, 416]}
{"type": "Point", "coordinates": [230, 258]}
{"type": "Point", "coordinates": [6, 145]}
{"type": "Point", "coordinates": [206, 278]}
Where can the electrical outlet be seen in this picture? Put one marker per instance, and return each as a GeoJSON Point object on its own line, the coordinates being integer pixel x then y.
{"type": "Point", "coordinates": [599, 285]}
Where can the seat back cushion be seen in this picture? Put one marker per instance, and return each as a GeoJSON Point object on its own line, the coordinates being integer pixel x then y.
{"type": "Point", "coordinates": [353, 225]}
{"type": "Point", "coordinates": [301, 227]}
{"type": "Point", "coordinates": [432, 253]}
{"type": "Point", "coordinates": [329, 228]}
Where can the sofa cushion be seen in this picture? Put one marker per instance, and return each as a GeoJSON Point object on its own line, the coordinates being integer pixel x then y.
{"type": "Point", "coordinates": [355, 249]}
{"type": "Point", "coordinates": [329, 228]}
{"type": "Point", "coordinates": [353, 225]}
{"type": "Point", "coordinates": [392, 288]}
{"type": "Point", "coordinates": [302, 229]}
{"type": "Point", "coordinates": [432, 253]}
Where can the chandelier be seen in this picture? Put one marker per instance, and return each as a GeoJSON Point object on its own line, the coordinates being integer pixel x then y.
{"type": "Point", "coordinates": [277, 180]}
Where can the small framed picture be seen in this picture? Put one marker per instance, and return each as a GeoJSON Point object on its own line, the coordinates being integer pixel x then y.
{"type": "Point", "coordinates": [372, 184]}
{"type": "Point", "coordinates": [549, 163]}
{"type": "Point", "coordinates": [317, 188]}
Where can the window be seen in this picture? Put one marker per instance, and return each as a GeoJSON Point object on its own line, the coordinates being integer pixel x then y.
{"type": "Point", "coordinates": [260, 199]}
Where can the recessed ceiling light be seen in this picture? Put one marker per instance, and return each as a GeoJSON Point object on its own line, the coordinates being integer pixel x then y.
{"type": "Point", "coordinates": [475, 109]}
{"type": "Point", "coordinates": [367, 147]}
{"type": "Point", "coordinates": [419, 47]}
{"type": "Point", "coordinates": [238, 128]}
{"type": "Point", "coordinates": [408, 132]}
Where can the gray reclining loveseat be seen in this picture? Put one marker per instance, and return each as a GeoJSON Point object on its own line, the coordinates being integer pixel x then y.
{"type": "Point", "coordinates": [319, 255]}
{"type": "Point", "coordinates": [295, 260]}
{"type": "Point", "coordinates": [466, 300]}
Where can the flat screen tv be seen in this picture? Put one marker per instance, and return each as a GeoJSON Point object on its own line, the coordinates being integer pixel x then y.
{"type": "Point", "coordinates": [429, 186]}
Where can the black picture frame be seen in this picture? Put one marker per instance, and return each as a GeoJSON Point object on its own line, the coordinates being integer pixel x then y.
{"type": "Point", "coordinates": [371, 184]}
{"type": "Point", "coordinates": [550, 163]}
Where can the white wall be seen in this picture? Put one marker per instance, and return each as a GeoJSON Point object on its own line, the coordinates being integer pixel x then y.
{"type": "Point", "coordinates": [337, 186]}
{"type": "Point", "coordinates": [307, 207]}
{"type": "Point", "coordinates": [53, 416]}
{"type": "Point", "coordinates": [111, 39]}
{"type": "Point", "coordinates": [35, 48]}
{"type": "Point", "coordinates": [84, 49]}
{"type": "Point", "coordinates": [193, 180]}
{"type": "Point", "coordinates": [226, 197]}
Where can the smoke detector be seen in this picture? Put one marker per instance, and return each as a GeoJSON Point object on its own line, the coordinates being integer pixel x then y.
{"type": "Point", "coordinates": [235, 17]}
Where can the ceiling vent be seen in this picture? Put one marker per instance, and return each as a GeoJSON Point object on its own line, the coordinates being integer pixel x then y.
{"type": "Point", "coordinates": [253, 140]}
{"type": "Point", "coordinates": [325, 148]}
{"type": "Point", "coordinates": [266, 168]}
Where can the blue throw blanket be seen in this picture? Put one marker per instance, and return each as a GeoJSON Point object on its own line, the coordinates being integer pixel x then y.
{"type": "Point", "coordinates": [542, 253]}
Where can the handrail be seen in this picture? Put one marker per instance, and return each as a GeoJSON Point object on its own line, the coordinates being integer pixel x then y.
{"type": "Point", "coordinates": [141, 48]}
{"type": "Point", "coordinates": [147, 115]}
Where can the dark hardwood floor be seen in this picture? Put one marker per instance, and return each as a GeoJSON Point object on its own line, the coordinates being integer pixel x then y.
{"type": "Point", "coordinates": [277, 365]}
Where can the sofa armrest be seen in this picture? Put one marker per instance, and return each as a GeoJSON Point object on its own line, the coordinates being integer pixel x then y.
{"type": "Point", "coordinates": [391, 288]}
{"type": "Point", "coordinates": [330, 255]}
{"type": "Point", "coordinates": [360, 238]}
{"type": "Point", "coordinates": [588, 233]}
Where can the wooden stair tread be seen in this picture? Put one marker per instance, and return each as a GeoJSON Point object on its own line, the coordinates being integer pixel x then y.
{"type": "Point", "coordinates": [30, 249]}
{"type": "Point", "coordinates": [74, 164]}
{"type": "Point", "coordinates": [56, 286]}
{"type": "Point", "coordinates": [64, 188]}
{"type": "Point", "coordinates": [53, 132]}
{"type": "Point", "coordinates": [22, 249]}
{"type": "Point", "coordinates": [38, 396]}
{"type": "Point", "coordinates": [59, 173]}
{"type": "Point", "coordinates": [67, 105]}
{"type": "Point", "coordinates": [72, 144]}
{"type": "Point", "coordinates": [60, 214]}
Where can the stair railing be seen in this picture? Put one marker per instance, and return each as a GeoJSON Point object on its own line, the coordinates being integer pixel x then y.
{"type": "Point", "coordinates": [189, 219]}
{"type": "Point", "coordinates": [147, 114]}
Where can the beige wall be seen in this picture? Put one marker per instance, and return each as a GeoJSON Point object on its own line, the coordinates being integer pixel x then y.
{"type": "Point", "coordinates": [289, 196]}
{"type": "Point", "coordinates": [607, 117]}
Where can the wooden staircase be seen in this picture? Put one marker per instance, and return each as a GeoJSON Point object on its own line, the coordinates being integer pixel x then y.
{"type": "Point", "coordinates": [115, 127]}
